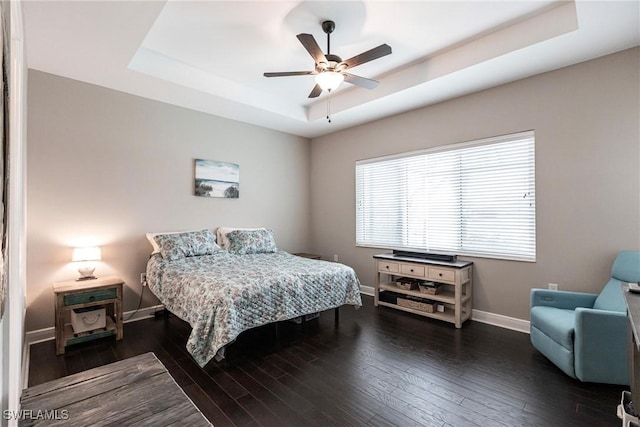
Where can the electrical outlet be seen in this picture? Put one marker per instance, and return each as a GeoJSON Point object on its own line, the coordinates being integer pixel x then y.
{"type": "Point", "coordinates": [553, 286]}
{"type": "Point", "coordinates": [335, 257]}
{"type": "Point", "coordinates": [143, 279]}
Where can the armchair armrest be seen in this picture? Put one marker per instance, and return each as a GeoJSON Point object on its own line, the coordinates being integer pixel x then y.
{"type": "Point", "coordinates": [601, 346]}
{"type": "Point", "coordinates": [561, 299]}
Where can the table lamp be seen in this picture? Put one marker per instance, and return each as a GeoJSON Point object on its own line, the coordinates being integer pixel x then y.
{"type": "Point", "coordinates": [85, 255]}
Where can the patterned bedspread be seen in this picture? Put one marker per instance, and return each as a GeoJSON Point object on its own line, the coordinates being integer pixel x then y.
{"type": "Point", "coordinates": [221, 295]}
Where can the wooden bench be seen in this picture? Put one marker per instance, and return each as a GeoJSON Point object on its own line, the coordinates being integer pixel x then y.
{"type": "Point", "coordinates": [137, 391]}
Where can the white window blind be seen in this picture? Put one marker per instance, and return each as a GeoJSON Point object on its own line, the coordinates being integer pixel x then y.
{"type": "Point", "coordinates": [475, 198]}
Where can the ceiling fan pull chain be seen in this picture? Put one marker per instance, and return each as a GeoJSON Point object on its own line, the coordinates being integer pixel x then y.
{"type": "Point", "coordinates": [329, 107]}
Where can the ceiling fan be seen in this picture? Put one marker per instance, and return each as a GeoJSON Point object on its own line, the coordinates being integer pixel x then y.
{"type": "Point", "coordinates": [331, 70]}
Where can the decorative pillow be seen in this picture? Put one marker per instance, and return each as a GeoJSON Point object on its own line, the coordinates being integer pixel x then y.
{"type": "Point", "coordinates": [154, 245]}
{"type": "Point", "coordinates": [222, 232]}
{"type": "Point", "coordinates": [243, 242]}
{"type": "Point", "coordinates": [192, 243]}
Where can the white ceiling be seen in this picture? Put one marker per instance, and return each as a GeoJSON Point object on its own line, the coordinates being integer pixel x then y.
{"type": "Point", "coordinates": [210, 55]}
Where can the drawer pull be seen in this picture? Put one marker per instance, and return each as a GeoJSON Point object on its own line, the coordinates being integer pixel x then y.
{"type": "Point", "coordinates": [440, 274]}
{"type": "Point", "coordinates": [386, 266]}
{"type": "Point", "coordinates": [92, 298]}
{"type": "Point", "coordinates": [411, 270]}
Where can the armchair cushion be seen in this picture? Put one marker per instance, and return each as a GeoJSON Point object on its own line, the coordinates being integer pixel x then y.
{"type": "Point", "coordinates": [626, 267]}
{"type": "Point", "coordinates": [557, 354]}
{"type": "Point", "coordinates": [611, 298]}
{"type": "Point", "coordinates": [561, 299]}
{"type": "Point", "coordinates": [557, 324]}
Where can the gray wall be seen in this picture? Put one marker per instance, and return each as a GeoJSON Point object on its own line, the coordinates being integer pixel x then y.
{"type": "Point", "coordinates": [109, 167]}
{"type": "Point", "coordinates": [586, 119]}
{"type": "Point", "coordinates": [106, 167]}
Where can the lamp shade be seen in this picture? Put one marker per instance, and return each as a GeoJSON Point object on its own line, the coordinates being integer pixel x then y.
{"type": "Point", "coordinates": [329, 80]}
{"type": "Point", "coordinates": [89, 253]}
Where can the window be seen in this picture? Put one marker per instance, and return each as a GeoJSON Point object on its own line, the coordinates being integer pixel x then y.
{"type": "Point", "coordinates": [475, 198]}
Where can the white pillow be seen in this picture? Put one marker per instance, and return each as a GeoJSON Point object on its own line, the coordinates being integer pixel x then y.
{"type": "Point", "coordinates": [221, 234]}
{"type": "Point", "coordinates": [156, 248]}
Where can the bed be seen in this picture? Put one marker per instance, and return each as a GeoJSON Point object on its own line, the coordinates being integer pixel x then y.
{"type": "Point", "coordinates": [223, 292]}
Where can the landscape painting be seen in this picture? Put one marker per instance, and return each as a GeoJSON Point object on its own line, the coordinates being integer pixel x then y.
{"type": "Point", "coordinates": [217, 179]}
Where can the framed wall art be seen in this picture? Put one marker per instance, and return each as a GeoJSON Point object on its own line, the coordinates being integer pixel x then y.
{"type": "Point", "coordinates": [216, 179]}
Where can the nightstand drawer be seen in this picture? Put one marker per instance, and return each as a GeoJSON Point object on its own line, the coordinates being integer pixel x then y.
{"type": "Point", "coordinates": [92, 296]}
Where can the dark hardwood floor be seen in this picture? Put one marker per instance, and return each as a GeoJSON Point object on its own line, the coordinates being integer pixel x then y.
{"type": "Point", "coordinates": [378, 367]}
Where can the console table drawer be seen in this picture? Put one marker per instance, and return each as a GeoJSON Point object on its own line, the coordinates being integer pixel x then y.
{"type": "Point", "coordinates": [412, 270]}
{"type": "Point", "coordinates": [388, 267]}
{"type": "Point", "coordinates": [441, 274]}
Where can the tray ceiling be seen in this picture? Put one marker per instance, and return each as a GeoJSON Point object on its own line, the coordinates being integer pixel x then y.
{"type": "Point", "coordinates": [210, 55]}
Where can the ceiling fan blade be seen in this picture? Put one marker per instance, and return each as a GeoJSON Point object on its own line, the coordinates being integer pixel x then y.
{"type": "Point", "coordinates": [360, 81]}
{"type": "Point", "coordinates": [289, 73]}
{"type": "Point", "coordinates": [370, 55]}
{"type": "Point", "coordinates": [316, 91]}
{"type": "Point", "coordinates": [312, 47]}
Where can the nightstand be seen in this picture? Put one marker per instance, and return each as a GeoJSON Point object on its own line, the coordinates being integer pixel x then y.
{"type": "Point", "coordinates": [105, 291]}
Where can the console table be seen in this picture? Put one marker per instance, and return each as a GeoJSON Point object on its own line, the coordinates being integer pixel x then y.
{"type": "Point", "coordinates": [455, 279]}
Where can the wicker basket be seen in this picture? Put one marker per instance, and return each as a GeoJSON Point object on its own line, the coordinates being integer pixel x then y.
{"type": "Point", "coordinates": [406, 284]}
{"type": "Point", "coordinates": [426, 306]}
{"type": "Point", "coordinates": [429, 288]}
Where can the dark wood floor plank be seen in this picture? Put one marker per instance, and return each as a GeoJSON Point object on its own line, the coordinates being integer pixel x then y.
{"type": "Point", "coordinates": [345, 397]}
{"type": "Point", "coordinates": [259, 411]}
{"type": "Point", "coordinates": [226, 382]}
{"type": "Point", "coordinates": [207, 407]}
{"type": "Point", "coordinates": [175, 369]}
{"type": "Point", "coordinates": [328, 390]}
{"type": "Point", "coordinates": [311, 414]}
{"type": "Point", "coordinates": [356, 394]}
{"type": "Point", "coordinates": [325, 402]}
{"type": "Point", "coordinates": [228, 405]}
{"type": "Point", "coordinates": [73, 361]}
{"type": "Point", "coordinates": [288, 415]}
{"type": "Point", "coordinates": [377, 367]}
{"type": "Point", "coordinates": [416, 385]}
{"type": "Point", "coordinates": [44, 355]}
{"type": "Point", "coordinates": [418, 415]}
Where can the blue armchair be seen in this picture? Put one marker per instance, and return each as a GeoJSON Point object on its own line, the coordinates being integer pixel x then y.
{"type": "Point", "coordinates": [585, 335]}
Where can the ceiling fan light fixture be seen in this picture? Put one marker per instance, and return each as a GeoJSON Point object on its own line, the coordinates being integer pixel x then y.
{"type": "Point", "coordinates": [330, 69]}
{"type": "Point", "coordinates": [329, 80]}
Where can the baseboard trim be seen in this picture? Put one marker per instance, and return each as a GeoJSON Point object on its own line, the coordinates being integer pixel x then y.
{"type": "Point", "coordinates": [520, 325]}
{"type": "Point", "coordinates": [47, 334]}
{"type": "Point", "coordinates": [143, 313]}
{"type": "Point", "coordinates": [40, 335]}
{"type": "Point", "coordinates": [366, 290]}
{"type": "Point", "coordinates": [506, 322]}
